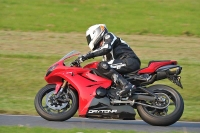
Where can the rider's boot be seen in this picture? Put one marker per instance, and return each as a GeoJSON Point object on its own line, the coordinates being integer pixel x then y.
{"type": "Point", "coordinates": [127, 87]}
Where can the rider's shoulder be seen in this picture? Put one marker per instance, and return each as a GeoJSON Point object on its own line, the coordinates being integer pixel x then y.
{"type": "Point", "coordinates": [109, 35]}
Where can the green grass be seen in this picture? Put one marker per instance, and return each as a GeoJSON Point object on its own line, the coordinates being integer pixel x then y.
{"type": "Point", "coordinates": [169, 17]}
{"type": "Point", "coordinates": [4, 129]}
{"type": "Point", "coordinates": [22, 129]}
{"type": "Point", "coordinates": [25, 58]}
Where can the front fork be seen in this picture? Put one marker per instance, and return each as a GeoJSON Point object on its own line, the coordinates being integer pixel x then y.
{"type": "Point", "coordinates": [57, 96]}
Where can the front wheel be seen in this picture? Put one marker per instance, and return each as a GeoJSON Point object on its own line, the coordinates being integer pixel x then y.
{"type": "Point", "coordinates": [53, 109]}
{"type": "Point", "coordinates": [166, 116]}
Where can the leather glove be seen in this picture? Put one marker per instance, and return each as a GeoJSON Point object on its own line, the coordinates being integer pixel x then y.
{"type": "Point", "coordinates": [85, 57]}
{"type": "Point", "coordinates": [81, 59]}
{"type": "Point", "coordinates": [75, 63]}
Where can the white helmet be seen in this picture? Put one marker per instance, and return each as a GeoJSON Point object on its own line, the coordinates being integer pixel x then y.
{"type": "Point", "coordinates": [95, 34]}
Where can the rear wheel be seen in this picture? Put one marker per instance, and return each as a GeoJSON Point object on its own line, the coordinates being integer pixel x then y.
{"type": "Point", "coordinates": [166, 116]}
{"type": "Point", "coordinates": [56, 109]}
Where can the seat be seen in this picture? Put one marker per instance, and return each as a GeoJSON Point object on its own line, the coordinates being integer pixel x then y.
{"type": "Point", "coordinates": [157, 61]}
{"type": "Point", "coordinates": [154, 65]}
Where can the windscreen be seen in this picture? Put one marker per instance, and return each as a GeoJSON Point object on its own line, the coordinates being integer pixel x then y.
{"type": "Point", "coordinates": [70, 54]}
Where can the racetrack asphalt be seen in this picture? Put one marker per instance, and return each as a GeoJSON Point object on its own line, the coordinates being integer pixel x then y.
{"type": "Point", "coordinates": [76, 122]}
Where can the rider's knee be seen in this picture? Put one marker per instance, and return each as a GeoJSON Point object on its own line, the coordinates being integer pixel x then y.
{"type": "Point", "coordinates": [103, 67]}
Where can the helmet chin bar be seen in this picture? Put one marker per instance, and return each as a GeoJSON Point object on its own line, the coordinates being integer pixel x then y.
{"type": "Point", "coordinates": [91, 46]}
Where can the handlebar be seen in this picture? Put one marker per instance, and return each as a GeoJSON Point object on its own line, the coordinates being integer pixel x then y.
{"type": "Point", "coordinates": [75, 63]}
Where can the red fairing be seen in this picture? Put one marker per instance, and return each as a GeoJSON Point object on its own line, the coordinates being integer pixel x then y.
{"type": "Point", "coordinates": [92, 65]}
{"type": "Point", "coordinates": [80, 79]}
{"type": "Point", "coordinates": [154, 65]}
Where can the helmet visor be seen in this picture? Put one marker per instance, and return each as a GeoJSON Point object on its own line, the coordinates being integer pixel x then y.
{"type": "Point", "coordinates": [88, 39]}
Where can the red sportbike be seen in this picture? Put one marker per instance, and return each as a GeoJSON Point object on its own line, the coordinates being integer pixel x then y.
{"type": "Point", "coordinates": [73, 88]}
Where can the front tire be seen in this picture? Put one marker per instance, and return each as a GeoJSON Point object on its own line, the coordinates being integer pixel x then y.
{"type": "Point", "coordinates": [161, 117]}
{"type": "Point", "coordinates": [50, 109]}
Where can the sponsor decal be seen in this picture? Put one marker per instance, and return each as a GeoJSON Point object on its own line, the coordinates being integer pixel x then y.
{"type": "Point", "coordinates": [118, 65]}
{"type": "Point", "coordinates": [102, 111]}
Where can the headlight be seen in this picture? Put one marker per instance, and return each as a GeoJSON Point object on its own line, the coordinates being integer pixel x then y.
{"type": "Point", "coordinates": [51, 69]}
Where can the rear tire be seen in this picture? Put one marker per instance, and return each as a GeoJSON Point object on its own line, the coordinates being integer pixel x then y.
{"type": "Point", "coordinates": [167, 119]}
{"type": "Point", "coordinates": [59, 111]}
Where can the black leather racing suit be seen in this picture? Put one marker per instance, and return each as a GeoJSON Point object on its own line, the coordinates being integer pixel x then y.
{"type": "Point", "coordinates": [118, 57]}
{"type": "Point", "coordinates": [117, 54]}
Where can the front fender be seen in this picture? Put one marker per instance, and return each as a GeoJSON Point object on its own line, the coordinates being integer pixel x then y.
{"type": "Point", "coordinates": [57, 79]}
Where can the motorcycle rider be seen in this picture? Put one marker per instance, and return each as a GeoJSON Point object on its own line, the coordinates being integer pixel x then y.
{"type": "Point", "coordinates": [118, 57]}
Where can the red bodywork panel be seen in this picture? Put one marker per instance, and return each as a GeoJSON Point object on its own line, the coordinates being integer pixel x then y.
{"type": "Point", "coordinates": [86, 82]}
{"type": "Point", "coordinates": [154, 65]}
{"type": "Point", "coordinates": [92, 65]}
{"type": "Point", "coordinates": [81, 79]}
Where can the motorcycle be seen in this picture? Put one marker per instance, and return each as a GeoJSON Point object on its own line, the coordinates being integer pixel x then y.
{"type": "Point", "coordinates": [73, 88]}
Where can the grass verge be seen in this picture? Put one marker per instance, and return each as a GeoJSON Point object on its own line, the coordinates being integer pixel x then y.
{"type": "Point", "coordinates": [22, 129]}
{"type": "Point", "coordinates": [131, 17]}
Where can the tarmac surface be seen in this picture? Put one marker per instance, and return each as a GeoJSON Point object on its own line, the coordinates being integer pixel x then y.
{"type": "Point", "coordinates": [76, 122]}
